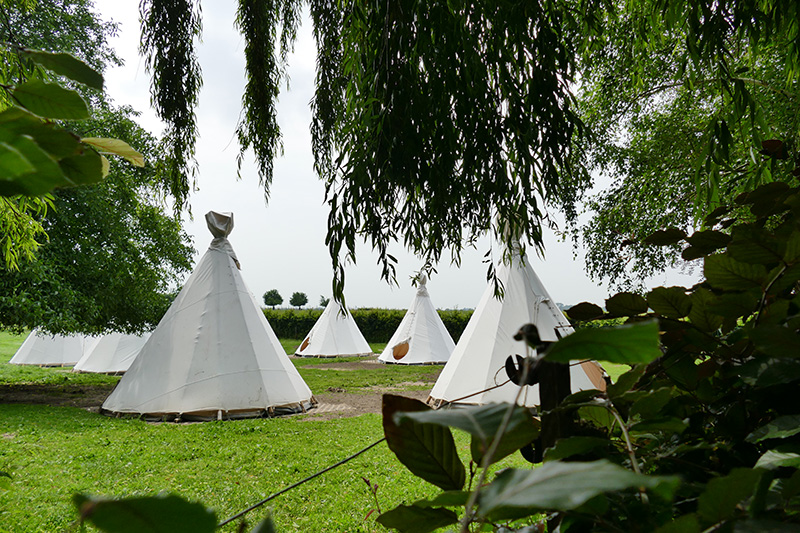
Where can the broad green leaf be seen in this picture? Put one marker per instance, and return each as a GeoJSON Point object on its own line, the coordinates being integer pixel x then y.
{"type": "Point", "coordinates": [709, 240]}
{"type": "Point", "coordinates": [724, 272]}
{"type": "Point", "coordinates": [754, 245]}
{"type": "Point", "coordinates": [448, 498]}
{"type": "Point", "coordinates": [670, 302]}
{"type": "Point", "coordinates": [626, 304]}
{"type": "Point", "coordinates": [665, 237]}
{"type": "Point", "coordinates": [565, 486]}
{"type": "Point", "coordinates": [597, 415]}
{"type": "Point", "coordinates": [700, 314]}
{"type": "Point", "coordinates": [46, 176]}
{"type": "Point", "coordinates": [574, 446]}
{"type": "Point", "coordinates": [115, 147]}
{"type": "Point", "coordinates": [68, 66]}
{"type": "Point", "coordinates": [684, 524]}
{"type": "Point", "coordinates": [780, 428]}
{"type": "Point", "coordinates": [650, 404]}
{"type": "Point", "coordinates": [427, 450]}
{"type": "Point", "coordinates": [629, 343]}
{"type": "Point", "coordinates": [414, 519]}
{"type": "Point", "coordinates": [626, 381]}
{"type": "Point", "coordinates": [792, 252]}
{"type": "Point", "coordinates": [776, 341]}
{"type": "Point", "coordinates": [721, 496]}
{"type": "Point", "coordinates": [50, 100]}
{"type": "Point", "coordinates": [51, 138]}
{"type": "Point", "coordinates": [585, 311]}
{"type": "Point", "coordinates": [691, 253]}
{"type": "Point", "coordinates": [734, 304]}
{"type": "Point", "coordinates": [146, 514]}
{"type": "Point", "coordinates": [84, 168]}
{"type": "Point", "coordinates": [12, 163]}
{"type": "Point", "coordinates": [783, 455]}
{"type": "Point", "coordinates": [767, 372]}
{"type": "Point", "coordinates": [482, 422]}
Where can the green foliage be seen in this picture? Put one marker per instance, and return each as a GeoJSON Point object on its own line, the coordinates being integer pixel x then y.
{"type": "Point", "coordinates": [272, 298]}
{"type": "Point", "coordinates": [146, 514]}
{"type": "Point", "coordinates": [113, 256]}
{"type": "Point", "coordinates": [298, 299]}
{"type": "Point", "coordinates": [323, 301]}
{"type": "Point", "coordinates": [701, 421]}
{"type": "Point", "coordinates": [377, 325]}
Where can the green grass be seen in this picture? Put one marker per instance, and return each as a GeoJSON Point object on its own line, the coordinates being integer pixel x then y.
{"type": "Point", "coordinates": [54, 452]}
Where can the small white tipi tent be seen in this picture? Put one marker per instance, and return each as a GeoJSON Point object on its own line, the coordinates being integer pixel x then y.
{"type": "Point", "coordinates": [52, 350]}
{"type": "Point", "coordinates": [334, 334]}
{"type": "Point", "coordinates": [421, 337]}
{"type": "Point", "coordinates": [112, 354]}
{"type": "Point", "coordinates": [477, 363]}
{"type": "Point", "coordinates": [213, 355]}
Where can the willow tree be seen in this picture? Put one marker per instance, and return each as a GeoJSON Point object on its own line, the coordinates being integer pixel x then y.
{"type": "Point", "coordinates": [434, 122]}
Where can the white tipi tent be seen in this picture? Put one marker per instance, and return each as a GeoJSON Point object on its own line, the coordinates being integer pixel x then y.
{"type": "Point", "coordinates": [421, 336]}
{"type": "Point", "coordinates": [477, 363]}
{"type": "Point", "coordinates": [213, 355]}
{"type": "Point", "coordinates": [52, 350]}
{"type": "Point", "coordinates": [112, 354]}
{"type": "Point", "coordinates": [334, 334]}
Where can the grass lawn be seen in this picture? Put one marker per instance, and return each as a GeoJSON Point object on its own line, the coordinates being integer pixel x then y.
{"type": "Point", "coordinates": [54, 452]}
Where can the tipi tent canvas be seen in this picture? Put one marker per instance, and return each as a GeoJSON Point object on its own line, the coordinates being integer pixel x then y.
{"type": "Point", "coordinates": [52, 350]}
{"type": "Point", "coordinates": [112, 354]}
{"type": "Point", "coordinates": [213, 355]}
{"type": "Point", "coordinates": [478, 360]}
{"type": "Point", "coordinates": [421, 337]}
{"type": "Point", "coordinates": [334, 334]}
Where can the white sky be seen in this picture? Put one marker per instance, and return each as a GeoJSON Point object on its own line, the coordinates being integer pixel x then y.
{"type": "Point", "coordinates": [282, 245]}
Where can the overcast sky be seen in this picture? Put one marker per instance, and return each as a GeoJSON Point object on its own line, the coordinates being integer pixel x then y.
{"type": "Point", "coordinates": [281, 245]}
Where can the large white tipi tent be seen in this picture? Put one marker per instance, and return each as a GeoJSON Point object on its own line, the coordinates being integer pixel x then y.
{"type": "Point", "coordinates": [421, 337]}
{"type": "Point", "coordinates": [213, 355]}
{"type": "Point", "coordinates": [334, 334]}
{"type": "Point", "coordinates": [112, 354]}
{"type": "Point", "coordinates": [52, 350]}
{"type": "Point", "coordinates": [477, 363]}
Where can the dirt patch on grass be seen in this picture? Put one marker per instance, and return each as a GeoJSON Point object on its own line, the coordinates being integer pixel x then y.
{"type": "Point", "coordinates": [334, 402]}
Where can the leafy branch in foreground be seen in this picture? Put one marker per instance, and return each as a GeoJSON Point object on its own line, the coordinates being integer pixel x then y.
{"type": "Point", "coordinates": [702, 413]}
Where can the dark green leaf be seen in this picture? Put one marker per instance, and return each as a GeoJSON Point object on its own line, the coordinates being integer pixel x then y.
{"type": "Point", "coordinates": [584, 311]}
{"type": "Point", "coordinates": [597, 415]}
{"type": "Point", "coordinates": [665, 237]}
{"type": "Point", "coordinates": [780, 428]}
{"type": "Point", "coordinates": [724, 272]}
{"type": "Point", "coordinates": [709, 240]}
{"type": "Point", "coordinates": [721, 496]}
{"type": "Point", "coordinates": [12, 163]}
{"type": "Point", "coordinates": [49, 100]}
{"type": "Point", "coordinates": [767, 372]}
{"type": "Point", "coordinates": [47, 174]}
{"type": "Point", "coordinates": [693, 252]}
{"type": "Point", "coordinates": [626, 381]}
{"type": "Point", "coordinates": [626, 304]}
{"type": "Point", "coordinates": [783, 455]}
{"type": "Point", "coordinates": [482, 422]}
{"type": "Point", "coordinates": [83, 169]}
{"type": "Point", "coordinates": [565, 486]}
{"type": "Point", "coordinates": [629, 343]}
{"type": "Point", "coordinates": [413, 519]}
{"type": "Point", "coordinates": [734, 304]}
{"type": "Point", "coordinates": [670, 302]}
{"type": "Point", "coordinates": [700, 314]}
{"type": "Point", "coordinates": [574, 446]}
{"type": "Point", "coordinates": [776, 341]}
{"type": "Point", "coordinates": [448, 498]}
{"type": "Point", "coordinates": [146, 514]}
{"type": "Point", "coordinates": [69, 66]}
{"type": "Point", "coordinates": [652, 402]}
{"type": "Point", "coordinates": [428, 450]}
{"type": "Point", "coordinates": [754, 245]}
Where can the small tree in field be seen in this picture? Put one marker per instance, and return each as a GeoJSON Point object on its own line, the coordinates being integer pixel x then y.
{"type": "Point", "coordinates": [323, 302]}
{"type": "Point", "coordinates": [272, 298]}
{"type": "Point", "coordinates": [298, 299]}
